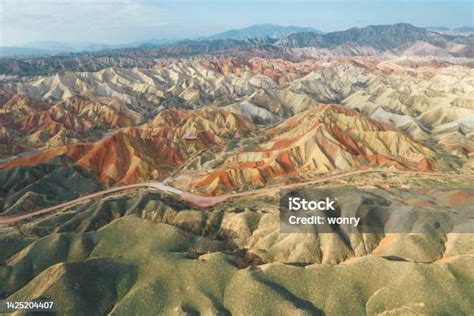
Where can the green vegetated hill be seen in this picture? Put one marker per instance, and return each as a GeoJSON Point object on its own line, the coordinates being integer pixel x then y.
{"type": "Point", "coordinates": [149, 254]}
{"type": "Point", "coordinates": [40, 186]}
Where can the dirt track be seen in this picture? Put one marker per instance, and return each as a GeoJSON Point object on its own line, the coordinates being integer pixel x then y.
{"type": "Point", "coordinates": [206, 201]}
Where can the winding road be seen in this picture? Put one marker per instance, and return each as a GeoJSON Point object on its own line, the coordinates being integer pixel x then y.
{"type": "Point", "coordinates": [208, 201]}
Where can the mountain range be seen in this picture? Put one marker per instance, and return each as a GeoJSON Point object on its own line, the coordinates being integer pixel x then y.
{"type": "Point", "coordinates": [382, 40]}
{"type": "Point", "coordinates": [378, 36]}
{"type": "Point", "coordinates": [47, 48]}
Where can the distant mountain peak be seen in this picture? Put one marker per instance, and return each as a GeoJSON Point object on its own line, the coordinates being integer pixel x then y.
{"type": "Point", "coordinates": [379, 37]}
{"type": "Point", "coordinates": [262, 30]}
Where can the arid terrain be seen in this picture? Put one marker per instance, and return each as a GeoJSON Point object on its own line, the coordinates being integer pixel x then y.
{"type": "Point", "coordinates": [146, 181]}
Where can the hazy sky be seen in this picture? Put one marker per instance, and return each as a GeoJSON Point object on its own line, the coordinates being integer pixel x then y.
{"type": "Point", "coordinates": [125, 21]}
